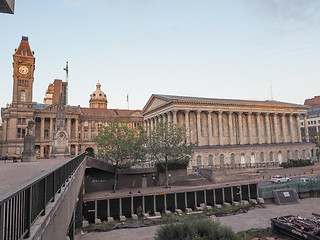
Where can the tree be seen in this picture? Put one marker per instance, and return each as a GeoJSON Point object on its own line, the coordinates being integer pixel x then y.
{"type": "Point", "coordinates": [168, 142]}
{"type": "Point", "coordinates": [119, 144]}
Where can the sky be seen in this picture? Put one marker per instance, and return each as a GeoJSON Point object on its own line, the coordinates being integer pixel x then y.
{"type": "Point", "coordinates": [233, 49]}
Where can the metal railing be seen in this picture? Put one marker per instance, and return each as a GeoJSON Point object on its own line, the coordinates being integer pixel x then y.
{"type": "Point", "coordinates": [240, 165]}
{"type": "Point", "coordinates": [21, 208]}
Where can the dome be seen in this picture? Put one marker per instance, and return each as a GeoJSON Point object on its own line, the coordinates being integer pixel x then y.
{"type": "Point", "coordinates": [98, 99]}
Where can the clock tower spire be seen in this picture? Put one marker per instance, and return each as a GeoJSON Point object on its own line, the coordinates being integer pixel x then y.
{"type": "Point", "coordinates": [23, 75]}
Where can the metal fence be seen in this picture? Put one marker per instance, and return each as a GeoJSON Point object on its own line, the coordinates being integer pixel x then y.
{"type": "Point", "coordinates": [21, 208]}
{"type": "Point", "coordinates": [265, 189]}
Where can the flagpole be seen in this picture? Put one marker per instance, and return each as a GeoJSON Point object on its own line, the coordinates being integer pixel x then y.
{"type": "Point", "coordinates": [128, 100]}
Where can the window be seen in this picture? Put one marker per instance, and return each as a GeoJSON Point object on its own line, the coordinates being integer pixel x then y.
{"type": "Point", "coordinates": [210, 160]}
{"type": "Point", "coordinates": [99, 124]}
{"type": "Point", "coordinates": [21, 120]}
{"type": "Point", "coordinates": [93, 133]}
{"type": "Point", "coordinates": [304, 154]}
{"type": "Point", "coordinates": [85, 134]}
{"type": "Point", "coordinates": [271, 157]}
{"type": "Point", "coordinates": [261, 157]}
{"type": "Point", "coordinates": [201, 127]}
{"type": "Point", "coordinates": [199, 161]}
{"type": "Point", "coordinates": [46, 133]}
{"type": "Point", "coordinates": [232, 160]}
{"type": "Point", "coordinates": [221, 160]}
{"type": "Point", "coordinates": [296, 154]}
{"type": "Point", "coordinates": [22, 96]}
{"type": "Point", "coordinates": [93, 123]}
{"type": "Point", "coordinates": [288, 155]}
{"type": "Point", "coordinates": [253, 160]}
{"type": "Point", "coordinates": [21, 132]}
{"type": "Point", "coordinates": [243, 158]}
{"type": "Point", "coordinates": [85, 124]}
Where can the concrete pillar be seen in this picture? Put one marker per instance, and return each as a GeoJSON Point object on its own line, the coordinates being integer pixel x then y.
{"type": "Point", "coordinates": [108, 207]}
{"type": "Point", "coordinates": [50, 128]}
{"type": "Point", "coordinates": [175, 201]}
{"type": "Point", "coordinates": [268, 128]}
{"type": "Point", "coordinates": [214, 197]}
{"type": "Point", "coordinates": [195, 200]}
{"type": "Point", "coordinates": [186, 118]}
{"type": "Point", "coordinates": [120, 206]}
{"type": "Point", "coordinates": [185, 200]}
{"type": "Point", "coordinates": [174, 114]}
{"type": "Point", "coordinates": [143, 204]}
{"type": "Point", "coordinates": [199, 128]}
{"type": "Point", "coordinates": [205, 196]}
{"type": "Point", "coordinates": [154, 203]}
{"type": "Point", "coordinates": [284, 128]}
{"type": "Point", "coordinates": [292, 130]}
{"type": "Point", "coordinates": [42, 128]}
{"type": "Point", "coordinates": [299, 128]}
{"type": "Point", "coordinates": [306, 129]}
{"type": "Point", "coordinates": [240, 128]}
{"type": "Point", "coordinates": [220, 128]}
{"type": "Point", "coordinates": [250, 128]}
{"type": "Point", "coordinates": [165, 201]}
{"type": "Point", "coordinates": [230, 126]}
{"type": "Point", "coordinates": [210, 136]}
{"type": "Point", "coordinates": [259, 128]}
{"type": "Point", "coordinates": [96, 210]}
{"type": "Point", "coordinates": [276, 127]}
{"type": "Point", "coordinates": [69, 127]}
{"type": "Point", "coordinates": [132, 210]}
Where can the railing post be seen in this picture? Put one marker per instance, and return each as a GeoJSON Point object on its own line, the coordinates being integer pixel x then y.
{"type": "Point", "coordinates": [28, 211]}
{"type": "Point", "coordinates": [54, 186]}
{"type": "Point", "coordinates": [44, 196]}
{"type": "Point", "coordinates": [1, 222]}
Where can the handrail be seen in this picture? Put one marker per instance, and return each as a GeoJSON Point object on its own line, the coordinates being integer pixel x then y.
{"type": "Point", "coordinates": [20, 208]}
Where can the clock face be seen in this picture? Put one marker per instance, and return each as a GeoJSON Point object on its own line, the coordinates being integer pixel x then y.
{"type": "Point", "coordinates": [23, 70]}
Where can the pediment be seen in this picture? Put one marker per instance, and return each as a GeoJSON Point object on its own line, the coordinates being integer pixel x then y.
{"type": "Point", "coordinates": [51, 108]}
{"type": "Point", "coordinates": [154, 103]}
{"type": "Point", "coordinates": [136, 114]}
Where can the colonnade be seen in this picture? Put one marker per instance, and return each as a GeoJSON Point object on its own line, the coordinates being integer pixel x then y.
{"type": "Point", "coordinates": [234, 127]}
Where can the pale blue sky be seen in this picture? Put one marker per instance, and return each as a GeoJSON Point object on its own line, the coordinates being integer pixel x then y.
{"type": "Point", "coordinates": [207, 48]}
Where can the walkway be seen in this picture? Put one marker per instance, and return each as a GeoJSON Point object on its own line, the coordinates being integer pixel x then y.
{"type": "Point", "coordinates": [15, 175]}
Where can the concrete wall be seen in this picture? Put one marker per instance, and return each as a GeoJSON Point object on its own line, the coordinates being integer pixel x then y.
{"type": "Point", "coordinates": [54, 225]}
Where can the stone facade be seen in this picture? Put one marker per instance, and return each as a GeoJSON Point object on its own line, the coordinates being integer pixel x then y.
{"type": "Point", "coordinates": [81, 123]}
{"type": "Point", "coordinates": [228, 131]}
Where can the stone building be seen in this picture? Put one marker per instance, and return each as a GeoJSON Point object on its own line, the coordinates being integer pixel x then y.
{"type": "Point", "coordinates": [81, 123]}
{"type": "Point", "coordinates": [228, 131]}
{"type": "Point", "coordinates": [313, 119]}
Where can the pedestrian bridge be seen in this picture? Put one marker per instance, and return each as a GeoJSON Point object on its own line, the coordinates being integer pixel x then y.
{"type": "Point", "coordinates": [38, 199]}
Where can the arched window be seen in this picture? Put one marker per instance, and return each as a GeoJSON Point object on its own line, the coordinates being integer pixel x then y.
{"type": "Point", "coordinates": [243, 158]}
{"type": "Point", "coordinates": [210, 160]}
{"type": "Point", "coordinates": [296, 155]}
{"type": "Point", "coordinates": [199, 160]}
{"type": "Point", "coordinates": [288, 155]}
{"type": "Point", "coordinates": [22, 96]}
{"type": "Point", "coordinates": [271, 157]}
{"type": "Point", "coordinates": [252, 159]}
{"type": "Point", "coordinates": [304, 154]}
{"type": "Point", "coordinates": [232, 159]}
{"type": "Point", "coordinates": [280, 157]}
{"type": "Point", "coordinates": [221, 160]}
{"type": "Point", "coordinates": [261, 157]}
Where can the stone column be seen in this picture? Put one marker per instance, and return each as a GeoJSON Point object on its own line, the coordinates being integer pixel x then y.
{"type": "Point", "coordinates": [240, 128]}
{"type": "Point", "coordinates": [276, 127]}
{"type": "Point", "coordinates": [89, 129]}
{"type": "Point", "coordinates": [41, 150]}
{"type": "Point", "coordinates": [69, 127]}
{"type": "Point", "coordinates": [42, 128]}
{"type": "Point", "coordinates": [96, 128]}
{"type": "Point", "coordinates": [306, 129]}
{"type": "Point", "coordinates": [174, 114]}
{"type": "Point", "coordinates": [250, 128]}
{"type": "Point", "coordinates": [259, 128]}
{"type": "Point", "coordinates": [82, 130]}
{"type": "Point", "coordinates": [199, 128]}
{"type": "Point", "coordinates": [220, 128]}
{"type": "Point", "coordinates": [284, 129]}
{"type": "Point", "coordinates": [4, 129]}
{"type": "Point", "coordinates": [76, 149]}
{"type": "Point", "coordinates": [50, 129]}
{"type": "Point", "coordinates": [298, 127]}
{"type": "Point", "coordinates": [293, 133]}
{"type": "Point", "coordinates": [186, 119]}
{"type": "Point", "coordinates": [231, 136]}
{"type": "Point", "coordinates": [169, 117]}
{"type": "Point", "coordinates": [210, 140]}
{"type": "Point", "coordinates": [77, 129]}
{"type": "Point", "coordinates": [268, 128]}
{"type": "Point", "coordinates": [151, 124]}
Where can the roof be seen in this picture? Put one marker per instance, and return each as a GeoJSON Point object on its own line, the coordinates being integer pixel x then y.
{"type": "Point", "coordinates": [109, 112]}
{"type": "Point", "coordinates": [224, 101]}
{"type": "Point", "coordinates": [24, 45]}
{"type": "Point", "coordinates": [39, 106]}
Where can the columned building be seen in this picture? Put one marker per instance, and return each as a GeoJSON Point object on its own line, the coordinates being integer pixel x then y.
{"type": "Point", "coordinates": [228, 131]}
{"type": "Point", "coordinates": [82, 124]}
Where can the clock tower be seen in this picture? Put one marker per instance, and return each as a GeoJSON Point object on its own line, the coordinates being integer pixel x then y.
{"type": "Point", "coordinates": [23, 70]}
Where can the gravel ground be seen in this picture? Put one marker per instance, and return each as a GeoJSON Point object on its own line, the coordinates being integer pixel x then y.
{"type": "Point", "coordinates": [256, 218]}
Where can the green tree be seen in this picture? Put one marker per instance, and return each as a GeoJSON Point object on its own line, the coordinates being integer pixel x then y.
{"type": "Point", "coordinates": [119, 144]}
{"type": "Point", "coordinates": [167, 142]}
